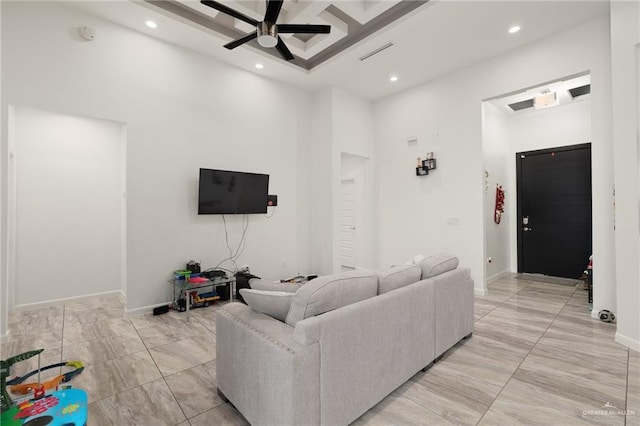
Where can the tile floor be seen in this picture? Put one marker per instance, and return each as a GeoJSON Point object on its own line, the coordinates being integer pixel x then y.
{"type": "Point", "coordinates": [536, 357]}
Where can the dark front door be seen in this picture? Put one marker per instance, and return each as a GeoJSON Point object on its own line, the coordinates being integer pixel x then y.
{"type": "Point", "coordinates": [554, 210]}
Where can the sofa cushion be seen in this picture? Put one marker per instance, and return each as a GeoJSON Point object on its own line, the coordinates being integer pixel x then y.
{"type": "Point", "coordinates": [438, 264]}
{"type": "Point", "coordinates": [265, 285]}
{"type": "Point", "coordinates": [273, 303]}
{"type": "Point", "coordinates": [398, 276]}
{"type": "Point", "coordinates": [331, 292]}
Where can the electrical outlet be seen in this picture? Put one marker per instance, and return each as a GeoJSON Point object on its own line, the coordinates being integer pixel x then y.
{"type": "Point", "coordinates": [452, 220]}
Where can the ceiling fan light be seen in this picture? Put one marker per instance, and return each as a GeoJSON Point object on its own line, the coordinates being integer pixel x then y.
{"type": "Point", "coordinates": [267, 41]}
{"type": "Point", "coordinates": [267, 34]}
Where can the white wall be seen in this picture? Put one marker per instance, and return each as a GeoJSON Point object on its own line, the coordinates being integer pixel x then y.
{"type": "Point", "coordinates": [69, 196]}
{"type": "Point", "coordinates": [563, 125]}
{"type": "Point", "coordinates": [4, 288]}
{"type": "Point", "coordinates": [352, 123]}
{"type": "Point", "coordinates": [342, 123]}
{"type": "Point", "coordinates": [183, 111]}
{"type": "Point", "coordinates": [353, 141]}
{"type": "Point", "coordinates": [625, 42]}
{"type": "Point", "coordinates": [444, 210]}
{"type": "Point", "coordinates": [321, 170]}
{"type": "Point", "coordinates": [495, 152]}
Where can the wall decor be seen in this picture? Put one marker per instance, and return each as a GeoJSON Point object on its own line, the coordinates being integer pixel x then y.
{"type": "Point", "coordinates": [499, 209]}
{"type": "Point", "coordinates": [423, 167]}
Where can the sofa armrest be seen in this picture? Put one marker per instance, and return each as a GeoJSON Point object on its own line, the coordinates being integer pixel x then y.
{"type": "Point", "coordinates": [454, 302]}
{"type": "Point", "coordinates": [270, 378]}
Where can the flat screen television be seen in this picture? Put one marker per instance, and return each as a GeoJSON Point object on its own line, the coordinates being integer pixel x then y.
{"type": "Point", "coordinates": [228, 192]}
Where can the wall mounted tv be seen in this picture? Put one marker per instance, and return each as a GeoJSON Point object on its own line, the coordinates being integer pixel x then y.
{"type": "Point", "coordinates": [228, 192]}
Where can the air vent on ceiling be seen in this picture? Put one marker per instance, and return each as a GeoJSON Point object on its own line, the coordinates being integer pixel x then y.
{"type": "Point", "coordinates": [517, 106]}
{"type": "Point", "coordinates": [378, 50]}
{"type": "Point", "coordinates": [579, 91]}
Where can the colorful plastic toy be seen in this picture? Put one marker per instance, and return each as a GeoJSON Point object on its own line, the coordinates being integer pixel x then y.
{"type": "Point", "coordinates": [16, 385]}
{"type": "Point", "coordinates": [5, 366]}
{"type": "Point", "coordinates": [204, 299]}
{"type": "Point", "coordinates": [60, 408]}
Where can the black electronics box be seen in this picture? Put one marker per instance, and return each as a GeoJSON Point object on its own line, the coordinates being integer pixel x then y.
{"type": "Point", "coordinates": [161, 310]}
{"type": "Point", "coordinates": [216, 273]}
{"type": "Point", "coordinates": [242, 281]}
{"type": "Point", "coordinates": [193, 266]}
{"type": "Point", "coordinates": [272, 200]}
{"type": "Point", "coordinates": [223, 291]}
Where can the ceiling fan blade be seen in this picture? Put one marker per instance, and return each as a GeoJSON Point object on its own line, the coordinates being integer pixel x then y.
{"type": "Point", "coordinates": [273, 10]}
{"type": "Point", "coordinates": [304, 29]}
{"type": "Point", "coordinates": [284, 50]}
{"type": "Point", "coordinates": [241, 40]}
{"type": "Point", "coordinates": [227, 10]}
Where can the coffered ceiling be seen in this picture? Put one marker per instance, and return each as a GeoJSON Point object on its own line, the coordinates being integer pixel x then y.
{"type": "Point", "coordinates": [350, 21]}
{"type": "Point", "coordinates": [370, 40]}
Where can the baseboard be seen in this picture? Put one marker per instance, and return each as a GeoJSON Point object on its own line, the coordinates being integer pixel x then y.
{"type": "Point", "coordinates": [61, 301]}
{"type": "Point", "coordinates": [628, 342]}
{"type": "Point", "coordinates": [499, 275]}
{"type": "Point", "coordinates": [480, 291]}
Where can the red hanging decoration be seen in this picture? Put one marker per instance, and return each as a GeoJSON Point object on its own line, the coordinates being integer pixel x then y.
{"type": "Point", "coordinates": [499, 204]}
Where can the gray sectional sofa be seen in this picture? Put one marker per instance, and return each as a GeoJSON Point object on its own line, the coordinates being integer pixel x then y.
{"type": "Point", "coordinates": [346, 342]}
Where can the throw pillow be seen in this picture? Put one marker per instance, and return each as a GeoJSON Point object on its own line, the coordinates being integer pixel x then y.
{"type": "Point", "coordinates": [398, 276]}
{"type": "Point", "coordinates": [331, 292]}
{"type": "Point", "coordinates": [264, 285]}
{"type": "Point", "coordinates": [273, 303]}
{"type": "Point", "coordinates": [438, 264]}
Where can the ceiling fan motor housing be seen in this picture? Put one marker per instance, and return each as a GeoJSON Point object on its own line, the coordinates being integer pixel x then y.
{"type": "Point", "coordinates": [267, 34]}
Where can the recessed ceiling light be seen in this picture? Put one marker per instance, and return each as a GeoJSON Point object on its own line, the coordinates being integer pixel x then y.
{"type": "Point", "coordinates": [393, 78]}
{"type": "Point", "coordinates": [514, 29]}
{"type": "Point", "coordinates": [259, 66]}
{"type": "Point", "coordinates": [151, 24]}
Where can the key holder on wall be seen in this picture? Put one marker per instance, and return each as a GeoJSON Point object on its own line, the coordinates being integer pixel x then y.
{"type": "Point", "coordinates": [499, 209]}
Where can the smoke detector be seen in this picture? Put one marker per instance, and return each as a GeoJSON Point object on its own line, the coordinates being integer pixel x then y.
{"type": "Point", "coordinates": [87, 33]}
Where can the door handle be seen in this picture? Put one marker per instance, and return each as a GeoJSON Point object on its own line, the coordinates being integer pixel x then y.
{"type": "Point", "coordinates": [526, 229]}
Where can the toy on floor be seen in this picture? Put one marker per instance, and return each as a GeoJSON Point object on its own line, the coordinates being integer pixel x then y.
{"type": "Point", "coordinates": [5, 366]}
{"type": "Point", "coordinates": [16, 385]}
{"type": "Point", "coordinates": [67, 407]}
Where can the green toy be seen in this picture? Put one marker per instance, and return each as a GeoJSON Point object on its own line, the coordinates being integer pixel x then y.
{"type": "Point", "coordinates": [4, 373]}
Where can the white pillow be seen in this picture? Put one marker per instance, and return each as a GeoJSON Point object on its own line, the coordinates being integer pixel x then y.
{"type": "Point", "coordinates": [415, 260]}
{"type": "Point", "coordinates": [264, 285]}
{"type": "Point", "coordinates": [273, 303]}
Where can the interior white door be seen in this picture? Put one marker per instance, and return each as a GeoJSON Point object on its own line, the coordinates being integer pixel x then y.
{"type": "Point", "coordinates": [347, 224]}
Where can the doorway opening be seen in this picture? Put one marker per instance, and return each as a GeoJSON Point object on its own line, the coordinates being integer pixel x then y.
{"type": "Point", "coordinates": [355, 220]}
{"type": "Point", "coordinates": [66, 207]}
{"type": "Point", "coordinates": [348, 213]}
{"type": "Point", "coordinates": [545, 117]}
{"type": "Point", "coordinates": [554, 211]}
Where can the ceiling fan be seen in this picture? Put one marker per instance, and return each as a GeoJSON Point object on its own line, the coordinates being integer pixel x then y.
{"type": "Point", "coordinates": [267, 30]}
